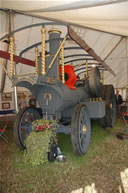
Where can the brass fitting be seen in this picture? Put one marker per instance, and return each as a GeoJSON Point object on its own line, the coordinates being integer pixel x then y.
{"type": "Point", "coordinates": [36, 61]}
{"type": "Point", "coordinates": [11, 56]}
{"type": "Point", "coordinates": [62, 64]}
{"type": "Point", "coordinates": [102, 79]}
{"type": "Point", "coordinates": [54, 31]}
{"type": "Point", "coordinates": [86, 69]}
{"type": "Point", "coordinates": [43, 69]}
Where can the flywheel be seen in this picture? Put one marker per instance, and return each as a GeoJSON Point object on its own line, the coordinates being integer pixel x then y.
{"type": "Point", "coordinates": [95, 85]}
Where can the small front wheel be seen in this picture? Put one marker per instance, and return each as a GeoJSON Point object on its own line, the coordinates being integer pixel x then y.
{"type": "Point", "coordinates": [23, 124]}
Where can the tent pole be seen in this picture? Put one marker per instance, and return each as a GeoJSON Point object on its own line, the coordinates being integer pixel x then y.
{"type": "Point", "coordinates": [16, 101]}
{"type": "Point", "coordinates": [3, 76]}
{"type": "Point", "coordinates": [127, 57]}
{"type": "Point", "coordinates": [11, 21]}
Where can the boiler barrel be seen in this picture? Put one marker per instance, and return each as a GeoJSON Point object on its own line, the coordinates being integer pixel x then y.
{"type": "Point", "coordinates": [59, 97]}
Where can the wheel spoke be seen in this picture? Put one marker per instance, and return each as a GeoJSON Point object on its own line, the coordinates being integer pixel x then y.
{"type": "Point", "coordinates": [109, 95]}
{"type": "Point", "coordinates": [83, 138]}
{"type": "Point", "coordinates": [24, 124]}
{"type": "Point", "coordinates": [81, 124]}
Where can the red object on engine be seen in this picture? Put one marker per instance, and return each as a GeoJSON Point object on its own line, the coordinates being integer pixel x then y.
{"type": "Point", "coordinates": [70, 76]}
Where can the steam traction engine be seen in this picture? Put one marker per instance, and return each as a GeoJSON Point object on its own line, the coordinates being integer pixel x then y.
{"type": "Point", "coordinates": [63, 96]}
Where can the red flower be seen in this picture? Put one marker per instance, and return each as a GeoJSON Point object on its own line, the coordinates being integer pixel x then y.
{"type": "Point", "coordinates": [39, 128]}
{"type": "Point", "coordinates": [44, 126]}
{"type": "Point", "coordinates": [124, 113]}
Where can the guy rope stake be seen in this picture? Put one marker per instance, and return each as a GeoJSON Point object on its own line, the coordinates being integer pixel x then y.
{"type": "Point", "coordinates": [43, 70]}
{"type": "Point", "coordinates": [11, 56]}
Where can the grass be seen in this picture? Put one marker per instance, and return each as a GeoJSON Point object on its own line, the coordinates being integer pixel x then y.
{"type": "Point", "coordinates": [106, 157]}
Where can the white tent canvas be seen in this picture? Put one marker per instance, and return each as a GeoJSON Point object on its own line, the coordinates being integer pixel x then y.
{"type": "Point", "coordinates": [105, 15]}
{"type": "Point", "coordinates": [102, 24]}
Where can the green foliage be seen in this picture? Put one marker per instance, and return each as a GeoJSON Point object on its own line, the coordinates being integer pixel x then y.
{"type": "Point", "coordinates": [38, 142]}
{"type": "Point", "coordinates": [42, 124]}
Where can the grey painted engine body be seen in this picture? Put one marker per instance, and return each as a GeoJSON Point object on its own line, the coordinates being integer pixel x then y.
{"type": "Point", "coordinates": [55, 98]}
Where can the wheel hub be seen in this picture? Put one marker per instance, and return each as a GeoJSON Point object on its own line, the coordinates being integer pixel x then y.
{"type": "Point", "coordinates": [85, 129]}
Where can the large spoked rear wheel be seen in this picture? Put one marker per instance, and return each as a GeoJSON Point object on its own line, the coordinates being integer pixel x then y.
{"type": "Point", "coordinates": [110, 106]}
{"type": "Point", "coordinates": [23, 124]}
{"type": "Point", "coordinates": [80, 129]}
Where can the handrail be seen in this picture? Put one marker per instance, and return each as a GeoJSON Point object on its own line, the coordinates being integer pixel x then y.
{"type": "Point", "coordinates": [61, 45]}
{"type": "Point", "coordinates": [39, 43]}
{"type": "Point", "coordinates": [28, 26]}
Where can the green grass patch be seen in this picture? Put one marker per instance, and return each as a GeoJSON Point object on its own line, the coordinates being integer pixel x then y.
{"type": "Point", "coordinates": [77, 171]}
{"type": "Point", "coordinates": [98, 136]}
